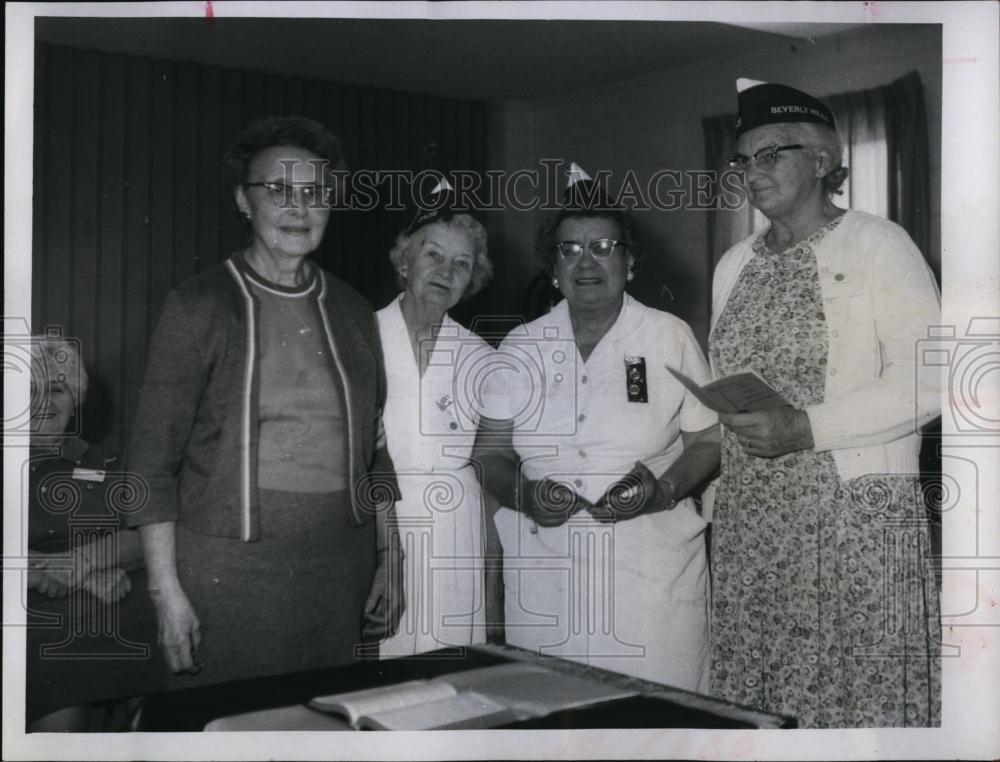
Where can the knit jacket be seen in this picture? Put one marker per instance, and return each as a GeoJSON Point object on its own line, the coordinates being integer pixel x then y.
{"type": "Point", "coordinates": [194, 443]}
{"type": "Point", "coordinates": [879, 301]}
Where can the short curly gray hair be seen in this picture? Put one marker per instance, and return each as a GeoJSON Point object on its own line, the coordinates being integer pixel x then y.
{"type": "Point", "coordinates": [819, 136]}
{"type": "Point", "coordinates": [482, 267]}
{"type": "Point", "coordinates": [57, 358]}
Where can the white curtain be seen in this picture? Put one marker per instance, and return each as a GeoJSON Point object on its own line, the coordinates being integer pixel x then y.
{"type": "Point", "coordinates": [862, 126]}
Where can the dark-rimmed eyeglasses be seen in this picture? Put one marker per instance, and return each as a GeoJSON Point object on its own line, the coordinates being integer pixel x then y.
{"type": "Point", "coordinates": [284, 195]}
{"type": "Point", "coordinates": [600, 248]}
{"type": "Point", "coordinates": [765, 158]}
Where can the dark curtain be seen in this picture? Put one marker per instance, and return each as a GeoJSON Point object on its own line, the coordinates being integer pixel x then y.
{"type": "Point", "coordinates": [902, 103]}
{"type": "Point", "coordinates": [127, 199]}
{"type": "Point", "coordinates": [909, 153]}
{"type": "Point", "coordinates": [720, 143]}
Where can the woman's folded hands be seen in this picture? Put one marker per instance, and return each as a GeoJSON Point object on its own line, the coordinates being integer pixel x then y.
{"type": "Point", "coordinates": [108, 585]}
{"type": "Point", "coordinates": [636, 493]}
{"type": "Point", "coordinates": [550, 503]}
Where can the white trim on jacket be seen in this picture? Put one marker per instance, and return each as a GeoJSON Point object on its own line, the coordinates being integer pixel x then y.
{"type": "Point", "coordinates": [247, 389]}
{"type": "Point", "coordinates": [251, 358]}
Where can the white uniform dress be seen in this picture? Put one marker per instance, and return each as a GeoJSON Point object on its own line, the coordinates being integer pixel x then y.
{"type": "Point", "coordinates": [631, 597]}
{"type": "Point", "coordinates": [430, 428]}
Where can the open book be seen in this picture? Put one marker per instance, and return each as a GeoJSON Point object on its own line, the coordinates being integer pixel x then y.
{"type": "Point", "coordinates": [741, 393]}
{"type": "Point", "coordinates": [479, 698]}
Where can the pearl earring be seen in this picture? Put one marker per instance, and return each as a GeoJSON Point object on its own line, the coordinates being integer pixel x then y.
{"type": "Point", "coordinates": [555, 283]}
{"type": "Point", "coordinates": [629, 276]}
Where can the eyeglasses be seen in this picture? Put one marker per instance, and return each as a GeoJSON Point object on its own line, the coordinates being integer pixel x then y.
{"type": "Point", "coordinates": [765, 158]}
{"type": "Point", "coordinates": [600, 248]}
{"type": "Point", "coordinates": [285, 196]}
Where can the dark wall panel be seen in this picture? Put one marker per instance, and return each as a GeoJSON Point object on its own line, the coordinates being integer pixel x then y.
{"type": "Point", "coordinates": [139, 309]}
{"type": "Point", "coordinates": [128, 200]}
{"type": "Point", "coordinates": [108, 385]}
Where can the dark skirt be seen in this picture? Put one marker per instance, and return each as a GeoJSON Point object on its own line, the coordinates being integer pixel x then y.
{"type": "Point", "coordinates": [292, 601]}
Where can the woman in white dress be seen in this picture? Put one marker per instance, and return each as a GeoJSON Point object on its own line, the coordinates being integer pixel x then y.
{"type": "Point", "coordinates": [595, 459]}
{"type": "Point", "coordinates": [431, 415]}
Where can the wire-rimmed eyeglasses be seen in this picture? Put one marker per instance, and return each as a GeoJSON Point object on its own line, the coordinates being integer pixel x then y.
{"type": "Point", "coordinates": [765, 158]}
{"type": "Point", "coordinates": [599, 248]}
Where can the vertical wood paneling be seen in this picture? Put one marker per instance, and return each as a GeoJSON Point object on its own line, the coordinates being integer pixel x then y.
{"type": "Point", "coordinates": [338, 117]}
{"type": "Point", "coordinates": [109, 367]}
{"type": "Point", "coordinates": [449, 138]}
{"type": "Point", "coordinates": [463, 136]}
{"type": "Point", "coordinates": [186, 187]}
{"type": "Point", "coordinates": [162, 163]}
{"type": "Point", "coordinates": [477, 132]}
{"type": "Point", "coordinates": [437, 141]}
{"type": "Point", "coordinates": [415, 129]}
{"type": "Point", "coordinates": [57, 190]}
{"type": "Point", "coordinates": [86, 200]}
{"type": "Point", "coordinates": [207, 169]}
{"type": "Point", "coordinates": [253, 96]}
{"type": "Point", "coordinates": [136, 298]}
{"type": "Point", "coordinates": [128, 201]}
{"type": "Point", "coordinates": [350, 121]}
{"type": "Point", "coordinates": [315, 104]}
{"type": "Point", "coordinates": [230, 227]}
{"type": "Point", "coordinates": [274, 94]}
{"type": "Point", "coordinates": [294, 96]}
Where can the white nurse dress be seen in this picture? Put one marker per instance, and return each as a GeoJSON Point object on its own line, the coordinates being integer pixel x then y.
{"type": "Point", "coordinates": [430, 427]}
{"type": "Point", "coordinates": [631, 597]}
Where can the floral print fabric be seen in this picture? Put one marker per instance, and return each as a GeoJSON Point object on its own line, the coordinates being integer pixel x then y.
{"type": "Point", "coordinates": [824, 605]}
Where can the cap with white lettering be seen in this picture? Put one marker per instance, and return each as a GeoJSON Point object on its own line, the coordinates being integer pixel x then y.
{"type": "Point", "coordinates": [763, 103]}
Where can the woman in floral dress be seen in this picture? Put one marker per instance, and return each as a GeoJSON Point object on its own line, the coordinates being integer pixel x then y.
{"type": "Point", "coordinates": [824, 602]}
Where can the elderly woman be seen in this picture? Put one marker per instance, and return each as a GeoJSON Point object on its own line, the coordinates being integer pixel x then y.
{"type": "Point", "coordinates": [824, 605]}
{"type": "Point", "coordinates": [257, 431]}
{"type": "Point", "coordinates": [78, 560]}
{"type": "Point", "coordinates": [595, 448]}
{"type": "Point", "coordinates": [430, 427]}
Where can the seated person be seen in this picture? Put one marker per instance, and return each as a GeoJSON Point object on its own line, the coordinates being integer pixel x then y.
{"type": "Point", "coordinates": [85, 642]}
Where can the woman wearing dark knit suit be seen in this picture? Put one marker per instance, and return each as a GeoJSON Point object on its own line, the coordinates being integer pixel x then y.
{"type": "Point", "coordinates": [257, 432]}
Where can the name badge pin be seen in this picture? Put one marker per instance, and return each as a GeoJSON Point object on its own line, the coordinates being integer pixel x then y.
{"type": "Point", "coordinates": [635, 379]}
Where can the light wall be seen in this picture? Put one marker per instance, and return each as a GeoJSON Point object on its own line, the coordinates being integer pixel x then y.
{"type": "Point", "coordinates": [654, 123]}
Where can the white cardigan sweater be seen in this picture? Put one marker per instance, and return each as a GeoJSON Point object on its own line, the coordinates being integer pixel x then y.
{"type": "Point", "coordinates": [879, 298]}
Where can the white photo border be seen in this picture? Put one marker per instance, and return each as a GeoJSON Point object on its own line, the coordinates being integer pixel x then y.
{"type": "Point", "coordinates": [970, 269]}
